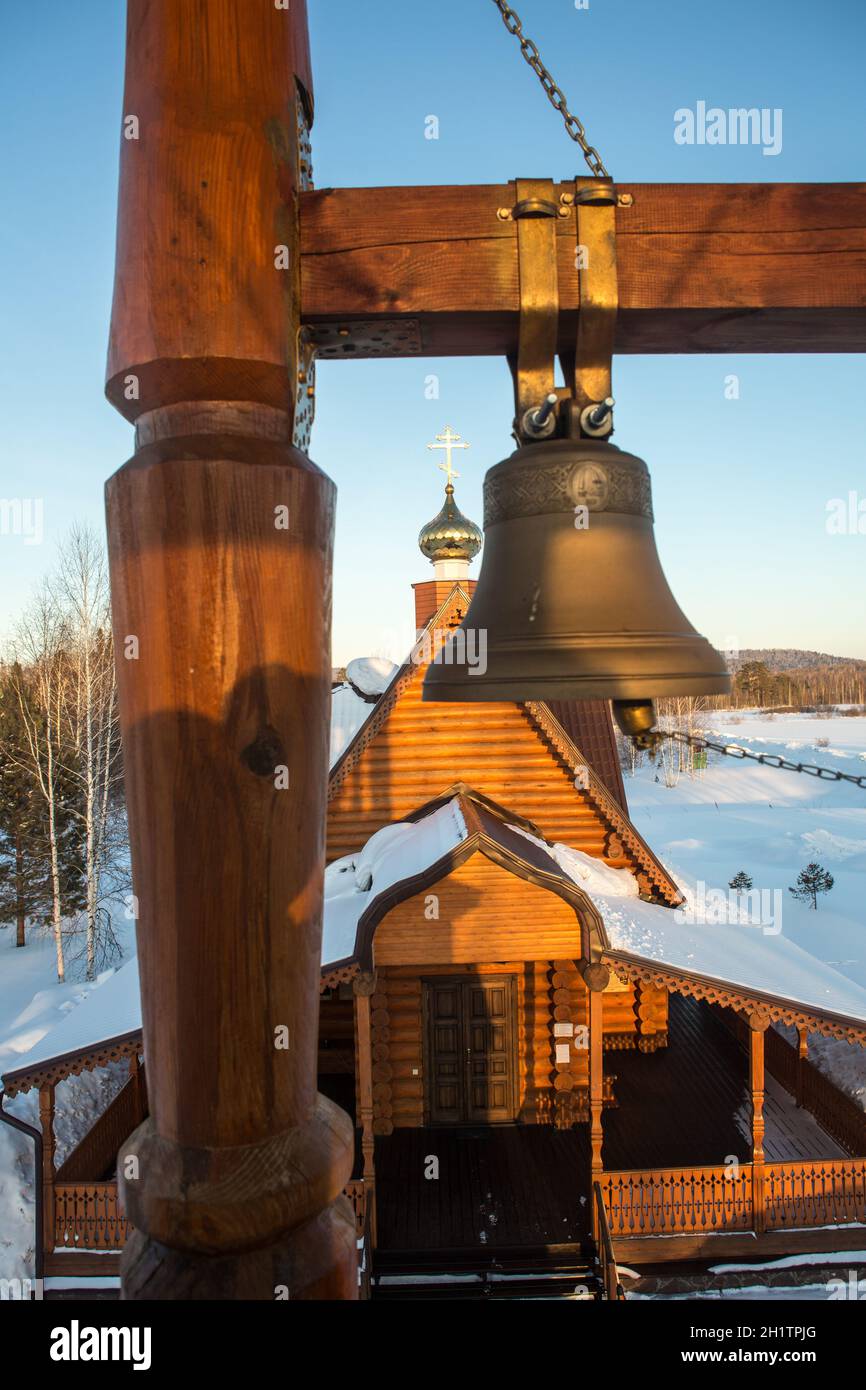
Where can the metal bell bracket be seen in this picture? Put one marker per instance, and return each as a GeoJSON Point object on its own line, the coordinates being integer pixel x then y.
{"type": "Point", "coordinates": [583, 409]}
{"type": "Point", "coordinates": [590, 370]}
{"type": "Point", "coordinates": [536, 212]}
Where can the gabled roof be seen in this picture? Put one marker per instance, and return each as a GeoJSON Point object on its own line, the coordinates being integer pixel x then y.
{"type": "Point", "coordinates": [403, 859]}
{"type": "Point", "coordinates": [550, 731]}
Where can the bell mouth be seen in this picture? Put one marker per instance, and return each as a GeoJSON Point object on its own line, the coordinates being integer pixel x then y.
{"type": "Point", "coordinates": [517, 689]}
{"type": "Point", "coordinates": [599, 666]}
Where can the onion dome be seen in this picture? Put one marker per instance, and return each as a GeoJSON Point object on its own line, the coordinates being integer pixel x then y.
{"type": "Point", "coordinates": [450, 535]}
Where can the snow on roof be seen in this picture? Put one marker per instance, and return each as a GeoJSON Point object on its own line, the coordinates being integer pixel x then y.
{"type": "Point", "coordinates": [353, 702]}
{"type": "Point", "coordinates": [348, 713]}
{"type": "Point", "coordinates": [394, 853]}
{"type": "Point", "coordinates": [592, 875]}
{"type": "Point", "coordinates": [755, 957]}
{"type": "Point", "coordinates": [735, 950]}
{"type": "Point", "coordinates": [370, 674]}
{"type": "Point", "coordinates": [111, 1009]}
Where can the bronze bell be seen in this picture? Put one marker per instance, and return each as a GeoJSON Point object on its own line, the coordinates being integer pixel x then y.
{"type": "Point", "coordinates": [571, 601]}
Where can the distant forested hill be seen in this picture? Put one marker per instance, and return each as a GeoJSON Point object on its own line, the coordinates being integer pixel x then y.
{"type": "Point", "coordinates": [788, 676]}
{"type": "Point", "coordinates": [790, 659]}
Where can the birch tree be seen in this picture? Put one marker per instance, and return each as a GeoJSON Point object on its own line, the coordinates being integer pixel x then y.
{"type": "Point", "coordinates": [22, 860]}
{"type": "Point", "coordinates": [91, 729]}
{"type": "Point", "coordinates": [37, 678]}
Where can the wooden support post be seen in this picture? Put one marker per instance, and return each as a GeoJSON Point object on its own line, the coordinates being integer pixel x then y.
{"type": "Point", "coordinates": [758, 1024]}
{"type": "Point", "coordinates": [802, 1055]}
{"type": "Point", "coordinates": [365, 986]}
{"type": "Point", "coordinates": [46, 1120]}
{"type": "Point", "coordinates": [220, 535]}
{"type": "Point", "coordinates": [596, 977]}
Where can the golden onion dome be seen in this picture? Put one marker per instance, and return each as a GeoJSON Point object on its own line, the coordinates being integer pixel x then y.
{"type": "Point", "coordinates": [450, 535]}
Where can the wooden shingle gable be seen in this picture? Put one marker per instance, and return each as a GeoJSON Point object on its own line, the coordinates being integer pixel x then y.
{"type": "Point", "coordinates": [408, 753]}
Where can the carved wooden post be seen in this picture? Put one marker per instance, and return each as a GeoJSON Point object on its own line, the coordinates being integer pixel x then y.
{"type": "Point", "coordinates": [802, 1055]}
{"type": "Point", "coordinates": [758, 1024]}
{"type": "Point", "coordinates": [46, 1120]}
{"type": "Point", "coordinates": [220, 535]}
{"type": "Point", "coordinates": [364, 986]}
{"type": "Point", "coordinates": [596, 977]}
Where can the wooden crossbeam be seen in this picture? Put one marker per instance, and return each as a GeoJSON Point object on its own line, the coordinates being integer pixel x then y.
{"type": "Point", "coordinates": [702, 268]}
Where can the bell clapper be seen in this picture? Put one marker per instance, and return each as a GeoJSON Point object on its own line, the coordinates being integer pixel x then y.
{"type": "Point", "coordinates": [636, 719]}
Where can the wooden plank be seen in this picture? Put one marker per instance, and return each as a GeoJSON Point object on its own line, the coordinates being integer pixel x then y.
{"type": "Point", "coordinates": [90, 1263]}
{"type": "Point", "coordinates": [702, 268]}
{"type": "Point", "coordinates": [650, 1250]}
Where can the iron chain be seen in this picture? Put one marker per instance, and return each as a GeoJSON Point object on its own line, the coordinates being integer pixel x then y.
{"type": "Point", "coordinates": [573, 125]}
{"type": "Point", "coordinates": [733, 750]}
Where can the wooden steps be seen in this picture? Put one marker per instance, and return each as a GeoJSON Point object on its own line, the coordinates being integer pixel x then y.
{"type": "Point", "coordinates": [548, 1272]}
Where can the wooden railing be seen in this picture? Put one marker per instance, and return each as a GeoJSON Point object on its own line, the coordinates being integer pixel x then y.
{"type": "Point", "coordinates": [87, 1217]}
{"type": "Point", "coordinates": [836, 1112]}
{"type": "Point", "coordinates": [829, 1192]}
{"type": "Point", "coordinates": [95, 1156]}
{"type": "Point", "coordinates": [673, 1201]}
{"type": "Point", "coordinates": [613, 1289]}
{"type": "Point", "coordinates": [679, 1201]}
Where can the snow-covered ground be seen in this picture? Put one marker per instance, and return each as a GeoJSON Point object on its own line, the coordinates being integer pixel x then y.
{"type": "Point", "coordinates": [737, 815]}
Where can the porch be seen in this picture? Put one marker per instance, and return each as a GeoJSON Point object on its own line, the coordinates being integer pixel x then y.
{"type": "Point", "coordinates": [678, 1178]}
{"type": "Point", "coordinates": [678, 1175]}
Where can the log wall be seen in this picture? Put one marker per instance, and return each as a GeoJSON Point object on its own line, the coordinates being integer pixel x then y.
{"type": "Point", "coordinates": [423, 749]}
{"type": "Point", "coordinates": [482, 912]}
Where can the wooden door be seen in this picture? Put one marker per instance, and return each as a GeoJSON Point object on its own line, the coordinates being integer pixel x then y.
{"type": "Point", "coordinates": [470, 1056]}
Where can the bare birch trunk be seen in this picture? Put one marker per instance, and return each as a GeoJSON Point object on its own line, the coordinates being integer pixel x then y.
{"type": "Point", "coordinates": [40, 644]}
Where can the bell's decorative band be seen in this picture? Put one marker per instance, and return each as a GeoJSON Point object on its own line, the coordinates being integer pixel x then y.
{"type": "Point", "coordinates": [601, 478]}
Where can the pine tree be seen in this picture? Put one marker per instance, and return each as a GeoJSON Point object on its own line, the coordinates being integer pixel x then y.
{"type": "Point", "coordinates": [741, 883]}
{"type": "Point", "coordinates": [810, 882]}
{"type": "Point", "coordinates": [756, 683]}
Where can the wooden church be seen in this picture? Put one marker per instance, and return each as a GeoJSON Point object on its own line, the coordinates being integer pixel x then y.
{"type": "Point", "coordinates": [548, 1068]}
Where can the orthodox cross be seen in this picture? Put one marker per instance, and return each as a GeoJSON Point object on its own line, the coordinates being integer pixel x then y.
{"type": "Point", "coordinates": [448, 441]}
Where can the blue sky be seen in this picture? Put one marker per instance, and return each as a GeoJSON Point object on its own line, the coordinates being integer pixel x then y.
{"type": "Point", "coordinates": [740, 487]}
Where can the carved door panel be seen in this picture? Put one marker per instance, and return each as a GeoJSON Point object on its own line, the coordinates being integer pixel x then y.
{"type": "Point", "coordinates": [470, 1049]}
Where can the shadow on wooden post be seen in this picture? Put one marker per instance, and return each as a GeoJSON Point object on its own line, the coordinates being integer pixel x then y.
{"type": "Point", "coordinates": [220, 540]}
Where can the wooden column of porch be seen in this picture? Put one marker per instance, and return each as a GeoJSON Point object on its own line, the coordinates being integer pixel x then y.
{"type": "Point", "coordinates": [596, 977]}
{"type": "Point", "coordinates": [364, 986]}
{"type": "Point", "coordinates": [758, 1024]}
